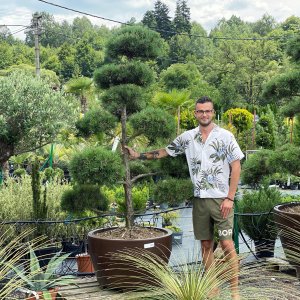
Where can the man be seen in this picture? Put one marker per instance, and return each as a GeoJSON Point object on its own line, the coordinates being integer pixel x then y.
{"type": "Point", "coordinates": [213, 156]}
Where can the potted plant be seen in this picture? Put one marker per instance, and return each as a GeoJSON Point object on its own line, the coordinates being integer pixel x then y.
{"type": "Point", "coordinates": [42, 281]}
{"type": "Point", "coordinates": [177, 234]}
{"type": "Point", "coordinates": [169, 217]}
{"type": "Point", "coordinates": [169, 221]}
{"type": "Point", "coordinates": [257, 221]}
{"type": "Point", "coordinates": [125, 81]}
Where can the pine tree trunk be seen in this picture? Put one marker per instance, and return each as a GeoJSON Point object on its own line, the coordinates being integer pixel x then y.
{"type": "Point", "coordinates": [127, 184]}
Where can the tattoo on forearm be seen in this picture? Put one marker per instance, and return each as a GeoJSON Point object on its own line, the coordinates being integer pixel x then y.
{"type": "Point", "coordinates": [155, 154]}
{"type": "Point", "coordinates": [151, 155]}
{"type": "Point", "coordinates": [143, 156]}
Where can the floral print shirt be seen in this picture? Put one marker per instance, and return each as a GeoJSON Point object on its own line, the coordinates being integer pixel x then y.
{"type": "Point", "coordinates": [208, 161]}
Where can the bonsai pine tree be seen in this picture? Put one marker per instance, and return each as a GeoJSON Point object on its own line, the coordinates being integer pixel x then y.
{"type": "Point", "coordinates": [125, 81]}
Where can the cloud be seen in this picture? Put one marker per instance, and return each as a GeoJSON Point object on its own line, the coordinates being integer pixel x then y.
{"type": "Point", "coordinates": [205, 12]}
{"type": "Point", "coordinates": [238, 5]}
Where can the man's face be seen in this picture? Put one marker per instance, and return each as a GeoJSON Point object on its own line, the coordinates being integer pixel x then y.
{"type": "Point", "coordinates": [204, 113]}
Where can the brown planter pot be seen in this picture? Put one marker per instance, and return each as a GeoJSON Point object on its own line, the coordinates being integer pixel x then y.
{"type": "Point", "coordinates": [288, 224]}
{"type": "Point", "coordinates": [117, 274]}
{"type": "Point", "coordinates": [84, 263]}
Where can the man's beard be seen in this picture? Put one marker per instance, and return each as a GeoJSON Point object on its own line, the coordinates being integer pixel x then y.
{"type": "Point", "coordinates": [205, 124]}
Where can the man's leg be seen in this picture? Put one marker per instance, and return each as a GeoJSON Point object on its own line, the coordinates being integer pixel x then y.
{"type": "Point", "coordinates": [208, 261]}
{"type": "Point", "coordinates": [229, 250]}
{"type": "Point", "coordinates": [207, 253]}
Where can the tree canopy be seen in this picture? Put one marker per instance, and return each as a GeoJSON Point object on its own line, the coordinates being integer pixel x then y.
{"type": "Point", "coordinates": [32, 113]}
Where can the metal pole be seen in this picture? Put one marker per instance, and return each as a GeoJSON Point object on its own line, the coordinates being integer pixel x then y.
{"type": "Point", "coordinates": [236, 228]}
{"type": "Point", "coordinates": [36, 19]}
{"type": "Point", "coordinates": [253, 130]}
{"type": "Point", "coordinates": [51, 156]}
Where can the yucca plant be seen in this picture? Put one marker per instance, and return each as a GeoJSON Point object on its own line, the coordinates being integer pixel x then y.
{"type": "Point", "coordinates": [12, 250]}
{"type": "Point", "coordinates": [38, 279]}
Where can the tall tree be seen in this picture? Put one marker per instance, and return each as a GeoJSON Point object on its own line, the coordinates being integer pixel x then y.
{"type": "Point", "coordinates": [149, 19]}
{"type": "Point", "coordinates": [264, 25]}
{"type": "Point", "coordinates": [69, 66]}
{"type": "Point", "coordinates": [85, 58]}
{"type": "Point", "coordinates": [286, 86]}
{"type": "Point", "coordinates": [163, 20]}
{"type": "Point", "coordinates": [5, 33]}
{"type": "Point", "coordinates": [182, 19]}
{"type": "Point", "coordinates": [82, 26]}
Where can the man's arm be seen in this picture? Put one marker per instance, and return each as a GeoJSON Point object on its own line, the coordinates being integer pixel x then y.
{"type": "Point", "coordinates": [155, 154]}
{"type": "Point", "coordinates": [227, 204]}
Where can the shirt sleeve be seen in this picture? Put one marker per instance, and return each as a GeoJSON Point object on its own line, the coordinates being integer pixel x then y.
{"type": "Point", "coordinates": [234, 151]}
{"type": "Point", "coordinates": [178, 146]}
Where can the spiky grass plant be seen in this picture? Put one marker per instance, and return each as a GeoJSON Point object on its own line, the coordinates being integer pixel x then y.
{"type": "Point", "coordinates": [12, 251]}
{"type": "Point", "coordinates": [153, 278]}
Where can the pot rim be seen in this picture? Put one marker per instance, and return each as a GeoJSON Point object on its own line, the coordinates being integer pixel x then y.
{"type": "Point", "coordinates": [91, 234]}
{"type": "Point", "coordinates": [278, 207]}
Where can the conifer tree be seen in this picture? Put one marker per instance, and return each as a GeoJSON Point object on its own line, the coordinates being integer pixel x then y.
{"type": "Point", "coordinates": [182, 17]}
{"type": "Point", "coordinates": [163, 21]}
{"type": "Point", "coordinates": [149, 19]}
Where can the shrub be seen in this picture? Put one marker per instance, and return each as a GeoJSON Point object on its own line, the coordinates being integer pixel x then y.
{"type": "Point", "coordinates": [96, 166]}
{"type": "Point", "coordinates": [140, 196]}
{"type": "Point", "coordinates": [16, 199]}
{"type": "Point", "coordinates": [84, 197]}
{"type": "Point", "coordinates": [241, 118]}
{"type": "Point", "coordinates": [256, 167]}
{"type": "Point", "coordinates": [259, 226]}
{"type": "Point", "coordinates": [173, 191]}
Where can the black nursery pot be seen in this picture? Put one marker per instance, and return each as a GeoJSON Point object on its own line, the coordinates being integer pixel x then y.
{"type": "Point", "coordinates": [264, 248]}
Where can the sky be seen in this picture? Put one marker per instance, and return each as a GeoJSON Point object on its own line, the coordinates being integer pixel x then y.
{"type": "Point", "coordinates": [205, 12]}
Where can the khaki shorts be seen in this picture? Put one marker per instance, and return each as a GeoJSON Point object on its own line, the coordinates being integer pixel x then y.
{"type": "Point", "coordinates": [206, 214]}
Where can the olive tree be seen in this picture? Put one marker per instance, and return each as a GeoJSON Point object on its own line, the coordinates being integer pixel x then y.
{"type": "Point", "coordinates": [31, 114]}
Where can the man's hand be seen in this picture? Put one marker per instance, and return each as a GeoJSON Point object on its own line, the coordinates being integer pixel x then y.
{"type": "Point", "coordinates": [132, 154]}
{"type": "Point", "coordinates": [226, 207]}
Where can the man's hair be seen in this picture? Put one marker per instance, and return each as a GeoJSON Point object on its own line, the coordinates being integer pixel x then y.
{"type": "Point", "coordinates": [204, 99]}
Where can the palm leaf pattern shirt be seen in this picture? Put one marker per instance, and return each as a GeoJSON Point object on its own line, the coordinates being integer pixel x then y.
{"type": "Point", "coordinates": [209, 161]}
